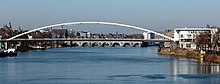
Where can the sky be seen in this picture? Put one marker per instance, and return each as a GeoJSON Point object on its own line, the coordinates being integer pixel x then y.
{"type": "Point", "coordinates": [157, 15]}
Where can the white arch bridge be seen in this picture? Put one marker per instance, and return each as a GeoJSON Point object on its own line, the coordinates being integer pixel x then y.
{"type": "Point", "coordinates": [81, 42]}
{"type": "Point", "coordinates": [104, 23]}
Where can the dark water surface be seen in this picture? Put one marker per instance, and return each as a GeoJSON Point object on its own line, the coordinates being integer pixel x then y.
{"type": "Point", "coordinates": [104, 66]}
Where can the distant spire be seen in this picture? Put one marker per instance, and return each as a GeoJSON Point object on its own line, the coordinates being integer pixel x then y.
{"type": "Point", "coordinates": [20, 30]}
{"type": "Point", "coordinates": [10, 27]}
{"type": "Point", "coordinates": [10, 24]}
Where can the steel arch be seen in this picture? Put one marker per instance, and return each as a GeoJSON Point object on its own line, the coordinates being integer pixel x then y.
{"type": "Point", "coordinates": [104, 23]}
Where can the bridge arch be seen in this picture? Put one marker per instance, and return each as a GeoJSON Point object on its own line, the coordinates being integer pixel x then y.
{"type": "Point", "coordinates": [105, 44]}
{"type": "Point", "coordinates": [75, 44]}
{"type": "Point", "coordinates": [79, 23]}
{"type": "Point", "coordinates": [84, 44]}
{"type": "Point", "coordinates": [136, 45]}
{"type": "Point", "coordinates": [126, 45]}
{"type": "Point", "coordinates": [94, 44]}
{"type": "Point", "coordinates": [116, 44]}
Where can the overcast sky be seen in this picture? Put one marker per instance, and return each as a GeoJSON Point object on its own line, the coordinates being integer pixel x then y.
{"type": "Point", "coordinates": [151, 14]}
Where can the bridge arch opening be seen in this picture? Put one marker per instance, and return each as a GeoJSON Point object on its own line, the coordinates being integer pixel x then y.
{"type": "Point", "coordinates": [116, 45]}
{"type": "Point", "coordinates": [126, 45]}
{"type": "Point", "coordinates": [105, 44]}
{"type": "Point", "coordinates": [95, 44]}
{"type": "Point", "coordinates": [75, 44]}
{"type": "Point", "coordinates": [136, 45]}
{"type": "Point", "coordinates": [85, 44]}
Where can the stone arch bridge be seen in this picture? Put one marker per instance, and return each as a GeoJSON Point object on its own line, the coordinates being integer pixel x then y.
{"type": "Point", "coordinates": [109, 43]}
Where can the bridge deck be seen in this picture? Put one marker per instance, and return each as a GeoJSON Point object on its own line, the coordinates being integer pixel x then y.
{"type": "Point", "coordinates": [87, 39]}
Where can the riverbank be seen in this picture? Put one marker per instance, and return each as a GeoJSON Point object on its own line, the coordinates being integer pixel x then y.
{"type": "Point", "coordinates": [191, 54]}
{"type": "Point", "coordinates": [42, 47]}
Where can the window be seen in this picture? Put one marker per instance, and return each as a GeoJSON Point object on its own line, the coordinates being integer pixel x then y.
{"type": "Point", "coordinates": [189, 36]}
{"type": "Point", "coordinates": [188, 45]}
{"type": "Point", "coordinates": [181, 36]}
{"type": "Point", "coordinates": [194, 36]}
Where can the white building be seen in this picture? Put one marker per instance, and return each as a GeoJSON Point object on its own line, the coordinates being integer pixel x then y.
{"type": "Point", "coordinates": [84, 34]}
{"type": "Point", "coordinates": [186, 36]}
{"type": "Point", "coordinates": [148, 35]}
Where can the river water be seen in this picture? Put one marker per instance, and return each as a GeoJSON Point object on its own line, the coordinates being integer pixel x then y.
{"type": "Point", "coordinates": [104, 66]}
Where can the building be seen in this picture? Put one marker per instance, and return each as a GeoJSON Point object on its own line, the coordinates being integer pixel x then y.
{"type": "Point", "coordinates": [148, 35]}
{"type": "Point", "coordinates": [58, 33]}
{"type": "Point", "coordinates": [71, 33]}
{"type": "Point", "coordinates": [84, 34]}
{"type": "Point", "coordinates": [186, 36]}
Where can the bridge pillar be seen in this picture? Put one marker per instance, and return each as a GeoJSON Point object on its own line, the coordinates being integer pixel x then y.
{"type": "Point", "coordinates": [161, 45]}
{"type": "Point", "coordinates": [100, 44]}
{"type": "Point", "coordinates": [71, 43]}
{"type": "Point", "coordinates": [111, 44]}
{"type": "Point", "coordinates": [122, 44]}
{"type": "Point", "coordinates": [56, 44]}
{"type": "Point", "coordinates": [79, 44]}
{"type": "Point", "coordinates": [143, 44]}
{"type": "Point", "coordinates": [90, 44]}
{"type": "Point", "coordinates": [132, 44]}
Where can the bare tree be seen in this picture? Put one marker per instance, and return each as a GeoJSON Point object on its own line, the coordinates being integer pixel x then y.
{"type": "Point", "coordinates": [203, 41]}
{"type": "Point", "coordinates": [216, 41]}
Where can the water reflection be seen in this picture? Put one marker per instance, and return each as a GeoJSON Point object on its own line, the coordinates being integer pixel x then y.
{"type": "Point", "coordinates": [7, 70]}
{"type": "Point", "coordinates": [104, 65]}
{"type": "Point", "coordinates": [207, 68]}
{"type": "Point", "coordinates": [184, 66]}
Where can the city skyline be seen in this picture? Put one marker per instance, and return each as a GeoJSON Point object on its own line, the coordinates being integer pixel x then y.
{"type": "Point", "coordinates": [151, 14]}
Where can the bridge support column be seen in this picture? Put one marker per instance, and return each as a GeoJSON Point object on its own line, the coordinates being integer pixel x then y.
{"type": "Point", "coordinates": [80, 44]}
{"type": "Point", "coordinates": [132, 44]}
{"type": "Point", "coordinates": [56, 44]}
{"type": "Point", "coordinates": [111, 44]}
{"type": "Point", "coordinates": [143, 44]}
{"type": "Point", "coordinates": [71, 43]}
{"type": "Point", "coordinates": [100, 44]}
{"type": "Point", "coordinates": [90, 44]}
{"type": "Point", "coordinates": [122, 44]}
{"type": "Point", "coordinates": [161, 45]}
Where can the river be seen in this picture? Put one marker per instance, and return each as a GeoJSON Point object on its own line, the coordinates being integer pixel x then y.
{"type": "Point", "coordinates": [104, 66]}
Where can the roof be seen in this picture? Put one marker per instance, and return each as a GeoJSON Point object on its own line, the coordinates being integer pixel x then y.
{"type": "Point", "coordinates": [193, 29]}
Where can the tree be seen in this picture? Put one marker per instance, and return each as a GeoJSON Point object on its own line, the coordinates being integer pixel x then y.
{"type": "Point", "coordinates": [216, 41]}
{"type": "Point", "coordinates": [66, 34]}
{"type": "Point", "coordinates": [203, 41]}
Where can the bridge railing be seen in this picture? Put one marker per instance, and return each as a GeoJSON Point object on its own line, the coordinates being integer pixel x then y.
{"type": "Point", "coordinates": [85, 39]}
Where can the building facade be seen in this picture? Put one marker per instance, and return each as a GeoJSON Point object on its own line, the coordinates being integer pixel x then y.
{"type": "Point", "coordinates": [84, 34]}
{"type": "Point", "coordinates": [186, 36]}
{"type": "Point", "coordinates": [148, 35]}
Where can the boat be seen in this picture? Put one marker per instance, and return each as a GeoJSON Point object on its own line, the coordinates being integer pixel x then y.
{"type": "Point", "coordinates": [3, 53]}
{"type": "Point", "coordinates": [12, 52]}
{"type": "Point", "coordinates": [8, 53]}
{"type": "Point", "coordinates": [38, 47]}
